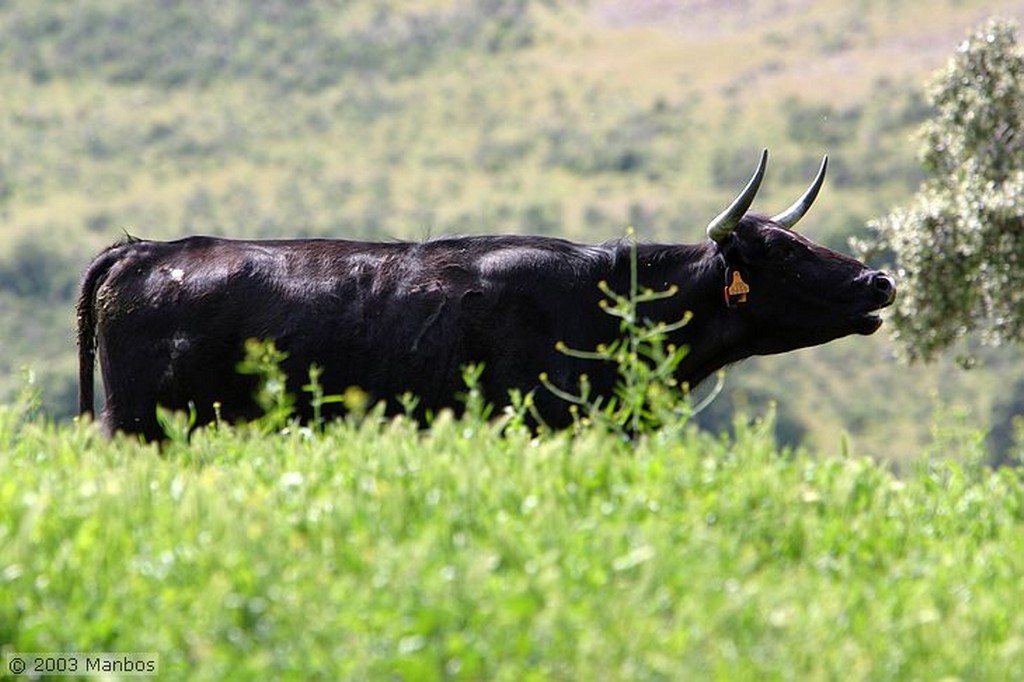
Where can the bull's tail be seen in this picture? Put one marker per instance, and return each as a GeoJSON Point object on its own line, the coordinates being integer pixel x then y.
{"type": "Point", "coordinates": [86, 312]}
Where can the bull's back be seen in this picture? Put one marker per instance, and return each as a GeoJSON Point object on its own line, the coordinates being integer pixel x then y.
{"type": "Point", "coordinates": [172, 318]}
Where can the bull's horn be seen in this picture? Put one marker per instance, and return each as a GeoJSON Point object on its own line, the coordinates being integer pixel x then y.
{"type": "Point", "coordinates": [794, 213]}
{"type": "Point", "coordinates": [722, 226]}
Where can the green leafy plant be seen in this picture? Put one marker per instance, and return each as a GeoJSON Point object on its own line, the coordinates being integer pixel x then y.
{"type": "Point", "coordinates": [648, 396]}
{"type": "Point", "coordinates": [263, 360]}
{"type": "Point", "coordinates": [177, 425]}
{"type": "Point", "coordinates": [354, 399]}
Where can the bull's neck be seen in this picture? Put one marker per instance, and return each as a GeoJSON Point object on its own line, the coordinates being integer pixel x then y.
{"type": "Point", "coordinates": [693, 269]}
{"type": "Point", "coordinates": [699, 275]}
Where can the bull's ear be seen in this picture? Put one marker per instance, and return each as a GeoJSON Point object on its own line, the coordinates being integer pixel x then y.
{"type": "Point", "coordinates": [722, 226]}
{"type": "Point", "coordinates": [792, 215]}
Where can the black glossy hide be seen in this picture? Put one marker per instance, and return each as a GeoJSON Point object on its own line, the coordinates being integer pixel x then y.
{"type": "Point", "coordinates": [168, 320]}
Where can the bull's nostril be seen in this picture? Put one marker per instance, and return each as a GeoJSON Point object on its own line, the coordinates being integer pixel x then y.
{"type": "Point", "coordinates": [884, 284]}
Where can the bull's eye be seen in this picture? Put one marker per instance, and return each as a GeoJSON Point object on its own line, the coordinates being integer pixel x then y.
{"type": "Point", "coordinates": [782, 251]}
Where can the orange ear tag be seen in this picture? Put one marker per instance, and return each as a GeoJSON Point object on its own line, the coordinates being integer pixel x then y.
{"type": "Point", "coordinates": [737, 290]}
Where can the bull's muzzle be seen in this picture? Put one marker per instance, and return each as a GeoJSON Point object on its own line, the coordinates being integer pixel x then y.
{"type": "Point", "coordinates": [882, 285]}
{"type": "Point", "coordinates": [880, 292]}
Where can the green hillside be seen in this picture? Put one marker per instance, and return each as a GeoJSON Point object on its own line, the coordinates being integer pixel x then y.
{"type": "Point", "coordinates": [408, 119]}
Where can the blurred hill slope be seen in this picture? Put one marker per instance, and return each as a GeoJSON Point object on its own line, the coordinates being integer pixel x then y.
{"type": "Point", "coordinates": [406, 119]}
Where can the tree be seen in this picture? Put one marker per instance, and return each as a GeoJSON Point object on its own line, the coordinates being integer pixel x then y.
{"type": "Point", "coordinates": [959, 245]}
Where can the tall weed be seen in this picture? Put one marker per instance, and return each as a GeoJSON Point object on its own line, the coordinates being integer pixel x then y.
{"type": "Point", "coordinates": [648, 396]}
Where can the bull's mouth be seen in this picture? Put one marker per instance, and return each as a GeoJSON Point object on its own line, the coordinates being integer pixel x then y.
{"type": "Point", "coordinates": [868, 322]}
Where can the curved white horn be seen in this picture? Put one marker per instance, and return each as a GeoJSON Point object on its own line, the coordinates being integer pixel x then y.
{"type": "Point", "coordinates": [726, 221]}
{"type": "Point", "coordinates": [792, 215]}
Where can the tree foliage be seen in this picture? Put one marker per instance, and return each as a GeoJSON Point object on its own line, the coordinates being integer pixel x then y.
{"type": "Point", "coordinates": [958, 245]}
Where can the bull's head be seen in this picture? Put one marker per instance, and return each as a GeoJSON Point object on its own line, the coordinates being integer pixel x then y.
{"type": "Point", "coordinates": [785, 291]}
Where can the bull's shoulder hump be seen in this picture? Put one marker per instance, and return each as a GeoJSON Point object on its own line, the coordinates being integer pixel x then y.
{"type": "Point", "coordinates": [516, 255]}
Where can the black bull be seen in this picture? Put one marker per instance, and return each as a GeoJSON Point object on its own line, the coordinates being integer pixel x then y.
{"type": "Point", "coordinates": [169, 319]}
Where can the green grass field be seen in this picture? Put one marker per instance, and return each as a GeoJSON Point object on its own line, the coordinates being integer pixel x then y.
{"type": "Point", "coordinates": [379, 551]}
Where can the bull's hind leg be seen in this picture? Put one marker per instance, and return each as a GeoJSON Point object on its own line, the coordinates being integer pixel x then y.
{"type": "Point", "coordinates": [117, 419]}
{"type": "Point", "coordinates": [133, 388]}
